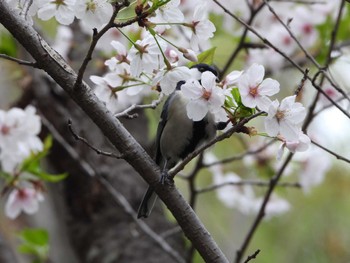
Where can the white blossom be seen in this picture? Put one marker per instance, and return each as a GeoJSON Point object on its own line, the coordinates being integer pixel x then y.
{"type": "Point", "coordinates": [254, 89]}
{"type": "Point", "coordinates": [145, 55]}
{"type": "Point", "coordinates": [23, 199]}
{"type": "Point", "coordinates": [203, 97]}
{"type": "Point", "coordinates": [168, 79]}
{"type": "Point", "coordinates": [113, 91]}
{"type": "Point", "coordinates": [202, 28]}
{"type": "Point", "coordinates": [301, 144]}
{"type": "Point", "coordinates": [63, 11]}
{"type": "Point", "coordinates": [231, 79]}
{"type": "Point", "coordinates": [168, 13]}
{"type": "Point", "coordinates": [19, 131]}
{"type": "Point", "coordinates": [285, 119]}
{"type": "Point", "coordinates": [94, 13]}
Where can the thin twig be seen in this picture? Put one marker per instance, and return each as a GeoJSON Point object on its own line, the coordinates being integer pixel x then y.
{"type": "Point", "coordinates": [339, 157]}
{"type": "Point", "coordinates": [152, 105]}
{"type": "Point", "coordinates": [328, 106]}
{"type": "Point", "coordinates": [221, 137]}
{"type": "Point", "coordinates": [85, 141]}
{"type": "Point", "coordinates": [268, 43]}
{"type": "Point", "coordinates": [302, 82]}
{"type": "Point", "coordinates": [241, 44]}
{"type": "Point", "coordinates": [246, 182]}
{"type": "Point", "coordinates": [20, 61]}
{"type": "Point", "coordinates": [241, 156]}
{"type": "Point", "coordinates": [95, 38]}
{"type": "Point", "coordinates": [121, 200]}
{"type": "Point", "coordinates": [25, 8]}
{"type": "Point", "coordinates": [307, 54]}
{"type": "Point", "coordinates": [193, 197]}
{"type": "Point", "coordinates": [253, 256]}
{"type": "Point", "coordinates": [118, 197]}
{"type": "Point", "coordinates": [273, 183]}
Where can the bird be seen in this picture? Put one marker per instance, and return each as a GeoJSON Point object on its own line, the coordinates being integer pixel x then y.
{"type": "Point", "coordinates": [178, 136]}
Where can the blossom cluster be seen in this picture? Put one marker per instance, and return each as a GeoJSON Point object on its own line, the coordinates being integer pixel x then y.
{"type": "Point", "coordinates": [19, 131]}
{"type": "Point", "coordinates": [159, 57]}
{"type": "Point", "coordinates": [92, 13]}
{"type": "Point", "coordinates": [301, 20]}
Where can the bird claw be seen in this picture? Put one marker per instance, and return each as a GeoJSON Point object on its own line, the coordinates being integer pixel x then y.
{"type": "Point", "coordinates": [165, 178]}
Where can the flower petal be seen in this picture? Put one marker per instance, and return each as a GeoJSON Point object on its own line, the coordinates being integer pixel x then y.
{"type": "Point", "coordinates": [197, 109]}
{"type": "Point", "coordinates": [269, 87]}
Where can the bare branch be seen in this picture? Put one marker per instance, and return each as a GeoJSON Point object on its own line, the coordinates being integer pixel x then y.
{"type": "Point", "coordinates": [339, 157]}
{"type": "Point", "coordinates": [241, 44]}
{"type": "Point", "coordinates": [302, 82]}
{"type": "Point", "coordinates": [96, 36]}
{"type": "Point", "coordinates": [273, 183]}
{"type": "Point", "coordinates": [241, 156]}
{"type": "Point", "coordinates": [268, 43]}
{"type": "Point", "coordinates": [121, 200]}
{"type": "Point", "coordinates": [118, 197]}
{"type": "Point", "coordinates": [111, 127]}
{"type": "Point", "coordinates": [152, 105]}
{"type": "Point", "coordinates": [245, 182]}
{"type": "Point", "coordinates": [20, 61]}
{"type": "Point", "coordinates": [253, 256]}
{"type": "Point", "coordinates": [85, 141]}
{"type": "Point", "coordinates": [25, 8]}
{"type": "Point", "coordinates": [221, 137]}
{"type": "Point", "coordinates": [307, 54]}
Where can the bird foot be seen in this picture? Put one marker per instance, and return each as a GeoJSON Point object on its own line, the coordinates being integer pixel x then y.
{"type": "Point", "coordinates": [165, 178]}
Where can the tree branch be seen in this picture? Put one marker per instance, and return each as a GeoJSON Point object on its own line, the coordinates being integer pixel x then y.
{"type": "Point", "coordinates": [273, 183]}
{"type": "Point", "coordinates": [111, 127]}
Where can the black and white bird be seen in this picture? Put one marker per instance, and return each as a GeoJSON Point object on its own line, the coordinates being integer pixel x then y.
{"type": "Point", "coordinates": [178, 136]}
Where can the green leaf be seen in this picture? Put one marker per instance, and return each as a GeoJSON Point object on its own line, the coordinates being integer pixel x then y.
{"type": "Point", "coordinates": [27, 249]}
{"type": "Point", "coordinates": [35, 241]}
{"type": "Point", "coordinates": [236, 96]}
{"type": "Point", "coordinates": [243, 112]}
{"type": "Point", "coordinates": [32, 164]}
{"type": "Point", "coordinates": [52, 178]}
{"type": "Point", "coordinates": [206, 57]}
{"type": "Point", "coordinates": [35, 236]}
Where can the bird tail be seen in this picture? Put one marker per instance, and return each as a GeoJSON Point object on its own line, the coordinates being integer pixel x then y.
{"type": "Point", "coordinates": [147, 203]}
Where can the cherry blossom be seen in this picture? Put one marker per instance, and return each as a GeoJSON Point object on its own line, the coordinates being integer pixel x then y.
{"type": "Point", "coordinates": [231, 79]}
{"type": "Point", "coordinates": [189, 54]}
{"type": "Point", "coordinates": [243, 197]}
{"type": "Point", "coordinates": [299, 145]}
{"type": "Point", "coordinates": [285, 119]}
{"type": "Point", "coordinates": [23, 199]}
{"type": "Point", "coordinates": [94, 13]}
{"type": "Point", "coordinates": [202, 28]}
{"type": "Point", "coordinates": [63, 11]}
{"type": "Point", "coordinates": [121, 56]}
{"type": "Point", "coordinates": [19, 131]}
{"type": "Point", "coordinates": [110, 91]}
{"type": "Point", "coordinates": [168, 79]}
{"type": "Point", "coordinates": [168, 13]}
{"type": "Point", "coordinates": [254, 89]}
{"type": "Point", "coordinates": [203, 97]}
{"type": "Point", "coordinates": [145, 55]}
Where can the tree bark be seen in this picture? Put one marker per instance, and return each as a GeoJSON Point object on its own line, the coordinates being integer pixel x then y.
{"type": "Point", "coordinates": [114, 130]}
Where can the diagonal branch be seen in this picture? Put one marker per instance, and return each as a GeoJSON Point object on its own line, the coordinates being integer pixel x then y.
{"type": "Point", "coordinates": [111, 127]}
